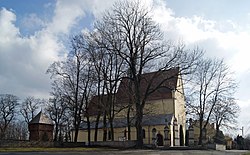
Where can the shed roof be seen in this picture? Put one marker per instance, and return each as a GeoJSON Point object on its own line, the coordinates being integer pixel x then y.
{"type": "Point", "coordinates": [41, 118]}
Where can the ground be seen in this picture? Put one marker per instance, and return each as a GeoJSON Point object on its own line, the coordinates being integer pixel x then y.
{"type": "Point", "coordinates": [132, 152]}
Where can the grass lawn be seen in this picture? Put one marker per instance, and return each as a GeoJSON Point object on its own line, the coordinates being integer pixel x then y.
{"type": "Point", "coordinates": [33, 149]}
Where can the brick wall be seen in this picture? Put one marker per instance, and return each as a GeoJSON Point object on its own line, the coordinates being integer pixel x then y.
{"type": "Point", "coordinates": [41, 132]}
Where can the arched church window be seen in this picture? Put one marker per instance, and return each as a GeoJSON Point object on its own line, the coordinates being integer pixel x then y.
{"type": "Point", "coordinates": [125, 133]}
{"type": "Point", "coordinates": [109, 135]}
{"type": "Point", "coordinates": [143, 133]}
{"type": "Point", "coordinates": [153, 133]}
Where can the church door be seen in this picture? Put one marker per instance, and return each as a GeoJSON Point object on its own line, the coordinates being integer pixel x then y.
{"type": "Point", "coordinates": [181, 136]}
{"type": "Point", "coordinates": [159, 140]}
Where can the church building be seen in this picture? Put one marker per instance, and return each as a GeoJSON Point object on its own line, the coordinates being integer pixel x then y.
{"type": "Point", "coordinates": [164, 116]}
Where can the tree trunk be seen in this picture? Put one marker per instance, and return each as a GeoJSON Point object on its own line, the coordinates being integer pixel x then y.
{"type": "Point", "coordinates": [56, 133]}
{"type": "Point", "coordinates": [96, 126]}
{"type": "Point", "coordinates": [76, 100]}
{"type": "Point", "coordinates": [200, 134]}
{"type": "Point", "coordinates": [77, 126]}
{"type": "Point", "coordinates": [111, 119]}
{"type": "Point", "coordinates": [128, 124]}
{"type": "Point", "coordinates": [217, 128]}
{"type": "Point", "coordinates": [112, 129]}
{"type": "Point", "coordinates": [76, 132]}
{"type": "Point", "coordinates": [129, 108]}
{"type": "Point", "coordinates": [139, 136]}
{"type": "Point", "coordinates": [89, 131]}
{"type": "Point", "coordinates": [104, 127]}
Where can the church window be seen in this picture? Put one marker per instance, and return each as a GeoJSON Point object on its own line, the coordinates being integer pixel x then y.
{"type": "Point", "coordinates": [153, 133]}
{"type": "Point", "coordinates": [109, 135]}
{"type": "Point", "coordinates": [143, 133]}
{"type": "Point", "coordinates": [125, 133]}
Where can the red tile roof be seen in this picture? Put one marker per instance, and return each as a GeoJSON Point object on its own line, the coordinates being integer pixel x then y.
{"type": "Point", "coordinates": [94, 105]}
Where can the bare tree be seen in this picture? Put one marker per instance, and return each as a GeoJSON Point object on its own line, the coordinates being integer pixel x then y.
{"type": "Point", "coordinates": [67, 76]}
{"type": "Point", "coordinates": [225, 113]}
{"type": "Point", "coordinates": [211, 83]}
{"type": "Point", "coordinates": [130, 32]}
{"type": "Point", "coordinates": [72, 78]}
{"type": "Point", "coordinates": [16, 130]}
{"type": "Point", "coordinates": [224, 107]}
{"type": "Point", "coordinates": [110, 69]}
{"type": "Point", "coordinates": [8, 111]}
{"type": "Point", "coordinates": [29, 107]}
{"type": "Point", "coordinates": [88, 76]}
{"type": "Point", "coordinates": [56, 109]}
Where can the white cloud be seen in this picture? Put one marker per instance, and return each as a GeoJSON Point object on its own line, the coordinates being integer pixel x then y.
{"type": "Point", "coordinates": [8, 29]}
{"type": "Point", "coordinates": [33, 22]}
{"type": "Point", "coordinates": [97, 7]}
{"type": "Point", "coordinates": [223, 39]}
{"type": "Point", "coordinates": [244, 116]}
{"type": "Point", "coordinates": [24, 60]}
{"type": "Point", "coordinates": [66, 15]}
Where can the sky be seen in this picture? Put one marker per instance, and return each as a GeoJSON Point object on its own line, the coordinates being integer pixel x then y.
{"type": "Point", "coordinates": [34, 34]}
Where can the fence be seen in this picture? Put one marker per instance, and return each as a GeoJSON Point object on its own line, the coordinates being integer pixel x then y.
{"type": "Point", "coordinates": [115, 144]}
{"type": "Point", "coordinates": [27, 143]}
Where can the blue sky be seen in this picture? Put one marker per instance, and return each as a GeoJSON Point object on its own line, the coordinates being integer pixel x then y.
{"type": "Point", "coordinates": [34, 33]}
{"type": "Point", "coordinates": [217, 10]}
{"type": "Point", "coordinates": [42, 9]}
